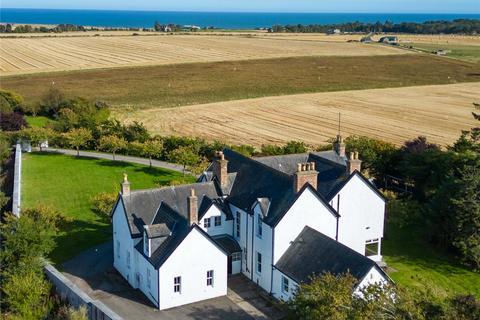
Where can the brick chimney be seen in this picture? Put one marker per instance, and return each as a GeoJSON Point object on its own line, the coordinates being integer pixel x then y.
{"type": "Point", "coordinates": [125, 185]}
{"type": "Point", "coordinates": [192, 207]}
{"type": "Point", "coordinates": [339, 146]}
{"type": "Point", "coordinates": [220, 169]}
{"type": "Point", "coordinates": [306, 173]}
{"type": "Point", "coordinates": [353, 163]}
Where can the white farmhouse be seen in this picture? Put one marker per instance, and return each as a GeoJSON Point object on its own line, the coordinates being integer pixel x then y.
{"type": "Point", "coordinates": [277, 220]}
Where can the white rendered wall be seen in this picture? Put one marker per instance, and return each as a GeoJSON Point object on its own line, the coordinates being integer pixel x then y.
{"type": "Point", "coordinates": [373, 277]}
{"type": "Point", "coordinates": [308, 210]}
{"type": "Point", "coordinates": [277, 291]}
{"type": "Point", "coordinates": [191, 260]}
{"type": "Point", "coordinates": [236, 267]}
{"type": "Point", "coordinates": [263, 245]}
{"type": "Point", "coordinates": [142, 266]}
{"type": "Point", "coordinates": [362, 214]}
{"type": "Point", "coordinates": [244, 239]}
{"type": "Point", "coordinates": [121, 233]}
{"type": "Point", "coordinates": [224, 228]}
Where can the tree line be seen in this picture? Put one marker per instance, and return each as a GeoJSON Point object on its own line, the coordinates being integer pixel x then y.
{"type": "Point", "coordinates": [458, 26]}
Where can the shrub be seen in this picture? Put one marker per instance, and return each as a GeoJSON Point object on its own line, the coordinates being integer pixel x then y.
{"type": "Point", "coordinates": [12, 121]}
{"type": "Point", "coordinates": [103, 203]}
{"type": "Point", "coordinates": [10, 100]}
{"type": "Point", "coordinates": [27, 295]}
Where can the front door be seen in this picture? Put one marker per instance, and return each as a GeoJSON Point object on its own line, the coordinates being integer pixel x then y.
{"type": "Point", "coordinates": [229, 267]}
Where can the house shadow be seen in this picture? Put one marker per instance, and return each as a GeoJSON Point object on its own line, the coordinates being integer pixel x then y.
{"type": "Point", "coordinates": [93, 271]}
{"type": "Point", "coordinates": [211, 312]}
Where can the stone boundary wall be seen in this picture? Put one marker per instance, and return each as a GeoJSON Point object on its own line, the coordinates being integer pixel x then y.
{"type": "Point", "coordinates": [68, 291]}
{"type": "Point", "coordinates": [17, 178]}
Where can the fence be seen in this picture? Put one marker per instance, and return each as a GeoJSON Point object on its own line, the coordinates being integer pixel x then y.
{"type": "Point", "coordinates": [68, 291]}
{"type": "Point", "coordinates": [17, 176]}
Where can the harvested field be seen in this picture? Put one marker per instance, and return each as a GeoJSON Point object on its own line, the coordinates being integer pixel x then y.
{"type": "Point", "coordinates": [394, 115]}
{"type": "Point", "coordinates": [31, 55]}
{"type": "Point", "coordinates": [190, 84]}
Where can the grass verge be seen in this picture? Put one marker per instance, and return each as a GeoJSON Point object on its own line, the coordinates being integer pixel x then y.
{"type": "Point", "coordinates": [195, 83]}
{"type": "Point", "coordinates": [418, 264]}
{"type": "Point", "coordinates": [460, 52]}
{"type": "Point", "coordinates": [68, 183]}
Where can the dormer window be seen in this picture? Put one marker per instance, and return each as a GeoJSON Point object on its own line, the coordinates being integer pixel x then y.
{"type": "Point", "coordinates": [206, 223]}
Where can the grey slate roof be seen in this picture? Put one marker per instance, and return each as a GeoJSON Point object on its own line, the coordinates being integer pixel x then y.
{"type": "Point", "coordinates": [228, 243]}
{"type": "Point", "coordinates": [153, 206]}
{"type": "Point", "coordinates": [331, 168]}
{"type": "Point", "coordinates": [157, 230]}
{"type": "Point", "coordinates": [313, 253]}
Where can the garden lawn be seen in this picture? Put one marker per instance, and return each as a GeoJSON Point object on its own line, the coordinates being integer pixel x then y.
{"type": "Point", "coordinates": [67, 184]}
{"type": "Point", "coordinates": [418, 264]}
{"type": "Point", "coordinates": [38, 121]}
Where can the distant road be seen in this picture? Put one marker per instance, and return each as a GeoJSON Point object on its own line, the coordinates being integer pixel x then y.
{"type": "Point", "coordinates": [118, 157]}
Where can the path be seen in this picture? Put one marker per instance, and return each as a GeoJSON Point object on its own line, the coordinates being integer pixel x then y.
{"type": "Point", "coordinates": [118, 157]}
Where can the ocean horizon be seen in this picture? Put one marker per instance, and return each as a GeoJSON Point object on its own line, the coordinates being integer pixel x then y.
{"type": "Point", "coordinates": [225, 20]}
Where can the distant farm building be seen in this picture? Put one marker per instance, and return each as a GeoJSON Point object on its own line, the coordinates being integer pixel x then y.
{"type": "Point", "coordinates": [334, 31]}
{"type": "Point", "coordinates": [442, 52]}
{"type": "Point", "coordinates": [389, 40]}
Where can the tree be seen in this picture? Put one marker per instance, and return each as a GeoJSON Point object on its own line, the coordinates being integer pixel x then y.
{"type": "Point", "coordinates": [52, 100]}
{"type": "Point", "coordinates": [103, 203]}
{"type": "Point", "coordinates": [157, 26]}
{"type": "Point", "coordinates": [12, 121]}
{"type": "Point", "coordinates": [112, 144]}
{"type": "Point", "coordinates": [465, 199]}
{"type": "Point", "coordinates": [325, 297]}
{"type": "Point", "coordinates": [10, 101]}
{"type": "Point", "coordinates": [77, 138]}
{"type": "Point", "coordinates": [469, 140]}
{"type": "Point", "coordinates": [36, 135]}
{"type": "Point", "coordinates": [185, 156]}
{"type": "Point", "coordinates": [152, 149]}
{"type": "Point", "coordinates": [295, 147]}
{"type": "Point", "coordinates": [27, 295]}
{"type": "Point", "coordinates": [28, 238]}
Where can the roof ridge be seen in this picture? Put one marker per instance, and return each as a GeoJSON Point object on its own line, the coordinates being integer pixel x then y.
{"type": "Point", "coordinates": [270, 169]}
{"type": "Point", "coordinates": [337, 242]}
{"type": "Point", "coordinates": [170, 187]}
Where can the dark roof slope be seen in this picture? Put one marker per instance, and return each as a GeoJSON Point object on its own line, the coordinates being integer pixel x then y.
{"type": "Point", "coordinates": [228, 244]}
{"type": "Point", "coordinates": [143, 206]}
{"type": "Point", "coordinates": [331, 167]}
{"type": "Point", "coordinates": [313, 253]}
{"type": "Point", "coordinates": [256, 180]}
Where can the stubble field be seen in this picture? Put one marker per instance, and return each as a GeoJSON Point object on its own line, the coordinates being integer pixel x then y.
{"type": "Point", "coordinates": [394, 115]}
{"type": "Point", "coordinates": [42, 54]}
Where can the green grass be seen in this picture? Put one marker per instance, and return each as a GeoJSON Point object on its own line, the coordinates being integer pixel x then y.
{"type": "Point", "coordinates": [195, 83]}
{"type": "Point", "coordinates": [38, 121]}
{"type": "Point", "coordinates": [67, 184]}
{"type": "Point", "coordinates": [461, 52]}
{"type": "Point", "coordinates": [418, 264]}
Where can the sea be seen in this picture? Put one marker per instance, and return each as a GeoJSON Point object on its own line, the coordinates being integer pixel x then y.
{"type": "Point", "coordinates": [225, 20]}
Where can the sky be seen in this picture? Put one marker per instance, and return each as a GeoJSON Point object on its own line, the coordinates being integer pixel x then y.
{"type": "Point", "coordinates": [370, 6]}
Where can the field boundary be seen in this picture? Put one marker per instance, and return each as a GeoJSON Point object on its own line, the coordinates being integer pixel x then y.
{"type": "Point", "coordinates": [17, 180]}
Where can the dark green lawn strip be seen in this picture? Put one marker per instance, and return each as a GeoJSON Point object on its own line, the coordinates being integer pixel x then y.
{"type": "Point", "coordinates": [68, 183]}
{"type": "Point", "coordinates": [194, 83]}
{"type": "Point", "coordinates": [418, 264]}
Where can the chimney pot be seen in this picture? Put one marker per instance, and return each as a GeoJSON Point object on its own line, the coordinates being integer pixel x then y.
{"type": "Point", "coordinates": [339, 146]}
{"type": "Point", "coordinates": [353, 163]}
{"type": "Point", "coordinates": [305, 174]}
